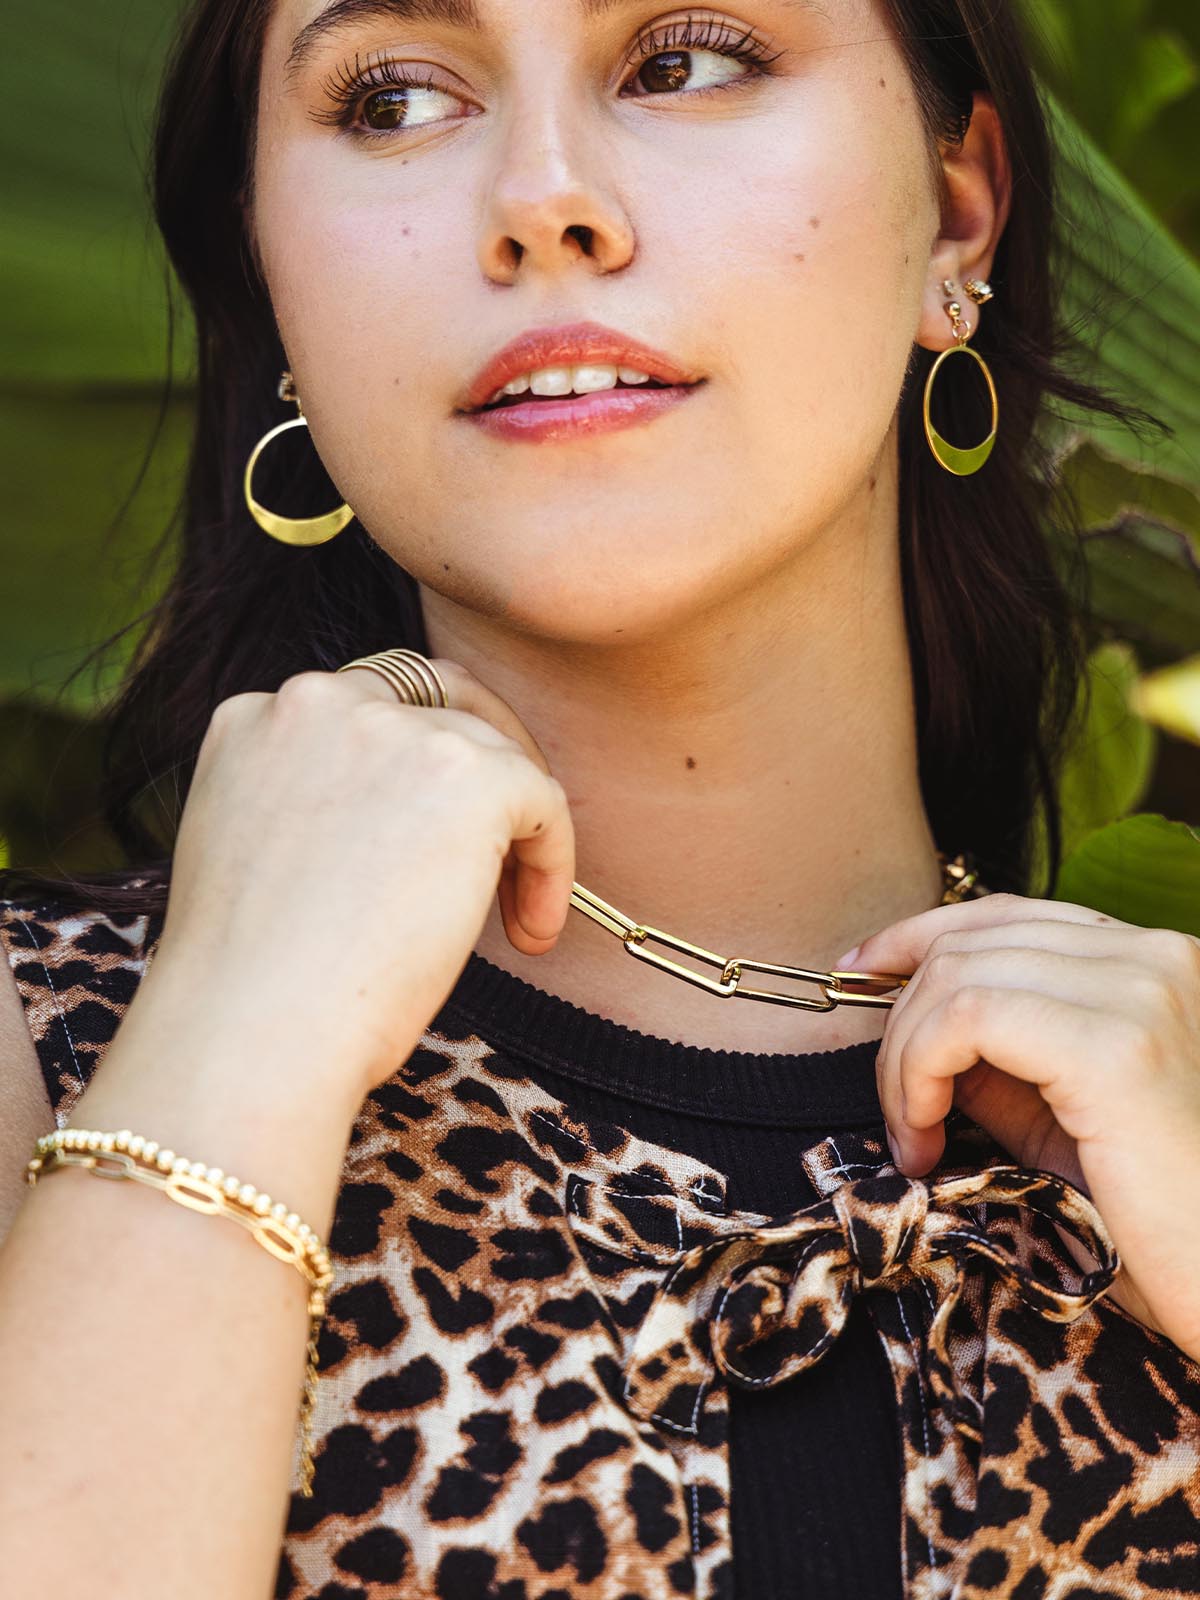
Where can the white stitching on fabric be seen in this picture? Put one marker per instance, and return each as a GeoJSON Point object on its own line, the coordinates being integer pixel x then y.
{"type": "Point", "coordinates": [694, 1491]}
{"type": "Point", "coordinates": [57, 1007]}
{"type": "Point", "coordinates": [929, 1295]}
{"type": "Point", "coordinates": [917, 1359]}
{"type": "Point", "coordinates": [818, 1349]}
{"type": "Point", "coordinates": [692, 1426]}
{"type": "Point", "coordinates": [921, 1399]}
{"type": "Point", "coordinates": [641, 1177]}
{"type": "Point", "coordinates": [643, 1255]}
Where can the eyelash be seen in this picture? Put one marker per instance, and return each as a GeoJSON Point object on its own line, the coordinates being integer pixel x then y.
{"type": "Point", "coordinates": [347, 89]}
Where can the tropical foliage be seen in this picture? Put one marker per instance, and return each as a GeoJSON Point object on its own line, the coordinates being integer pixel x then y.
{"type": "Point", "coordinates": [83, 353]}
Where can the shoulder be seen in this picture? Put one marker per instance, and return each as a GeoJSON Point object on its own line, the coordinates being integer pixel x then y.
{"type": "Point", "coordinates": [75, 967]}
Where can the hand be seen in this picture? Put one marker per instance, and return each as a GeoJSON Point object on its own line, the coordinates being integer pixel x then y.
{"type": "Point", "coordinates": [1073, 1039]}
{"type": "Point", "coordinates": [335, 863]}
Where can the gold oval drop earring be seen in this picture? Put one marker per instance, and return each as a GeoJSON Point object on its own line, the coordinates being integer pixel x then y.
{"type": "Point", "coordinates": [291, 530]}
{"type": "Point", "coordinates": [958, 461]}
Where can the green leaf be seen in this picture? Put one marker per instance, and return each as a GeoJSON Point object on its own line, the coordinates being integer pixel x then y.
{"type": "Point", "coordinates": [1111, 761]}
{"type": "Point", "coordinates": [1111, 764]}
{"type": "Point", "coordinates": [1127, 280]}
{"type": "Point", "coordinates": [1144, 869]}
{"type": "Point", "coordinates": [1143, 587]}
{"type": "Point", "coordinates": [1110, 492]}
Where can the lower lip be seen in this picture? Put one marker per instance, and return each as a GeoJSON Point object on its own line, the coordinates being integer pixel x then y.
{"type": "Point", "coordinates": [579, 416]}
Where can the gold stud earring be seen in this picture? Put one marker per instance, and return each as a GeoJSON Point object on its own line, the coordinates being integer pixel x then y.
{"type": "Point", "coordinates": [291, 530]}
{"type": "Point", "coordinates": [979, 291]}
{"type": "Point", "coordinates": [959, 461]}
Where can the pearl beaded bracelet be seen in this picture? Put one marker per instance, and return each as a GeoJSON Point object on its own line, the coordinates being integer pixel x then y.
{"type": "Point", "coordinates": [208, 1190]}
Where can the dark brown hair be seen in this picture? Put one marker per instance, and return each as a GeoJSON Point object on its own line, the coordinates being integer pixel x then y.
{"type": "Point", "coordinates": [996, 625]}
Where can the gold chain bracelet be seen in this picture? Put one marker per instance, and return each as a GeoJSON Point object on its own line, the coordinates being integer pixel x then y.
{"type": "Point", "coordinates": [208, 1190]}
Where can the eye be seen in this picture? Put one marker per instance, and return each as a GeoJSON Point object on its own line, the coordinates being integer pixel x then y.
{"type": "Point", "coordinates": [387, 95]}
{"type": "Point", "coordinates": [669, 61]}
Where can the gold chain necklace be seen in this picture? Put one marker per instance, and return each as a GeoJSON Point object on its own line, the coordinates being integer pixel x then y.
{"type": "Point", "coordinates": [418, 682]}
{"type": "Point", "coordinates": [961, 882]}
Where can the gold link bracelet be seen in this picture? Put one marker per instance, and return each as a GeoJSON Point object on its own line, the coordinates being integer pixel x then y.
{"type": "Point", "coordinates": [208, 1190]}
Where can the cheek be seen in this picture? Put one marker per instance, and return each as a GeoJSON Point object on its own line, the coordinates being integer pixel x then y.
{"type": "Point", "coordinates": [829, 257]}
{"type": "Point", "coordinates": [355, 275]}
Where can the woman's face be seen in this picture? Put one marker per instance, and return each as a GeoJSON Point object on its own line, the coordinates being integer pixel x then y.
{"type": "Point", "coordinates": [749, 191]}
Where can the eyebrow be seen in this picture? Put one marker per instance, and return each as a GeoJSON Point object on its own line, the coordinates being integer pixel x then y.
{"type": "Point", "coordinates": [450, 13]}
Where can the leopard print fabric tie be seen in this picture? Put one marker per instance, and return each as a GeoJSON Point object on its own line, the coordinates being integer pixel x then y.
{"type": "Point", "coordinates": [757, 1304]}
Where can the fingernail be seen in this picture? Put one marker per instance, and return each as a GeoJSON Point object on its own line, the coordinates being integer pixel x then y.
{"type": "Point", "coordinates": [848, 960]}
{"type": "Point", "coordinates": [895, 1152]}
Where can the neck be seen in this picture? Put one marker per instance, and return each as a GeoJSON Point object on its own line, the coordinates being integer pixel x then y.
{"type": "Point", "coordinates": [746, 780]}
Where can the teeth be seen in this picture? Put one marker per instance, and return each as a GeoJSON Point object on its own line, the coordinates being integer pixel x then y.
{"type": "Point", "coordinates": [570, 380]}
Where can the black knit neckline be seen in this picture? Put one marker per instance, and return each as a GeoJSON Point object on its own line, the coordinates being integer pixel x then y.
{"type": "Point", "coordinates": [827, 1088]}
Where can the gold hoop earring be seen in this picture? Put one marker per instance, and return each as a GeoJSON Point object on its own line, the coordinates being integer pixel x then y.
{"type": "Point", "coordinates": [291, 530]}
{"type": "Point", "coordinates": [962, 463]}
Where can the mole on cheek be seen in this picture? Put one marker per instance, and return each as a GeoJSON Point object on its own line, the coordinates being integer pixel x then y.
{"type": "Point", "coordinates": [814, 222]}
{"type": "Point", "coordinates": [799, 256]}
{"type": "Point", "coordinates": [691, 761]}
{"type": "Point", "coordinates": [883, 83]}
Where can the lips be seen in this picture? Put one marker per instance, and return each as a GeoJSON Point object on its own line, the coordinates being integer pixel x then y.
{"type": "Point", "coordinates": [572, 345]}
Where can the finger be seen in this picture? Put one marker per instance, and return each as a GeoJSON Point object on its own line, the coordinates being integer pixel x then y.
{"type": "Point", "coordinates": [1094, 977]}
{"type": "Point", "coordinates": [1034, 1038]}
{"type": "Point", "coordinates": [945, 963]}
{"type": "Point", "coordinates": [536, 891]}
{"type": "Point", "coordinates": [518, 933]}
{"type": "Point", "coordinates": [533, 897]}
{"type": "Point", "coordinates": [1097, 982]}
{"type": "Point", "coordinates": [466, 693]}
{"type": "Point", "coordinates": [1067, 936]}
{"type": "Point", "coordinates": [901, 946]}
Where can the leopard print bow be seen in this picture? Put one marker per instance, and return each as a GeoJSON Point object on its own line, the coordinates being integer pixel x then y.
{"type": "Point", "coordinates": [762, 1303]}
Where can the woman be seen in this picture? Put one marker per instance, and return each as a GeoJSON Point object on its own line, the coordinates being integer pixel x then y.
{"type": "Point", "coordinates": [612, 325]}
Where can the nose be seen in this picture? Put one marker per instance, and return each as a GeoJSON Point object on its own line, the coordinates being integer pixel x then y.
{"type": "Point", "coordinates": [550, 201]}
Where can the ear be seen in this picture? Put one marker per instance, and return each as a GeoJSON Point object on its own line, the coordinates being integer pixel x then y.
{"type": "Point", "coordinates": [978, 195]}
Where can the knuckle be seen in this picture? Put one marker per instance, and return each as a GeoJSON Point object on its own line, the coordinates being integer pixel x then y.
{"type": "Point", "coordinates": [965, 1005]}
{"type": "Point", "coordinates": [944, 967]}
{"type": "Point", "coordinates": [1151, 990]}
{"type": "Point", "coordinates": [235, 708]}
{"type": "Point", "coordinates": [307, 688]}
{"type": "Point", "coordinates": [448, 753]}
{"type": "Point", "coordinates": [1006, 901]}
{"type": "Point", "coordinates": [1136, 1044]}
{"type": "Point", "coordinates": [1178, 952]}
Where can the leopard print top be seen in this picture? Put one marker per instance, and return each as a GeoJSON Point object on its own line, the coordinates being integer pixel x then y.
{"type": "Point", "coordinates": [535, 1322]}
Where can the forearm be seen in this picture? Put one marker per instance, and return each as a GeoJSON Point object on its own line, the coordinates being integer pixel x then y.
{"type": "Point", "coordinates": [152, 1357]}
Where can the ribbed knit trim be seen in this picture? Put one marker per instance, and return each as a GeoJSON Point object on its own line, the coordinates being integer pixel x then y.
{"type": "Point", "coordinates": [825, 1088]}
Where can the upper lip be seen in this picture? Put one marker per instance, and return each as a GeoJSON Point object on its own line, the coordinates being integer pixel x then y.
{"type": "Point", "coordinates": [572, 344]}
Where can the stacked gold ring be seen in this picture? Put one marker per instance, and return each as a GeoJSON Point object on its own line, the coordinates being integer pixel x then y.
{"type": "Point", "coordinates": [413, 676]}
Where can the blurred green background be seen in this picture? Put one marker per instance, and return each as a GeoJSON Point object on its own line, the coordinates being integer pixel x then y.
{"type": "Point", "coordinates": [84, 352]}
